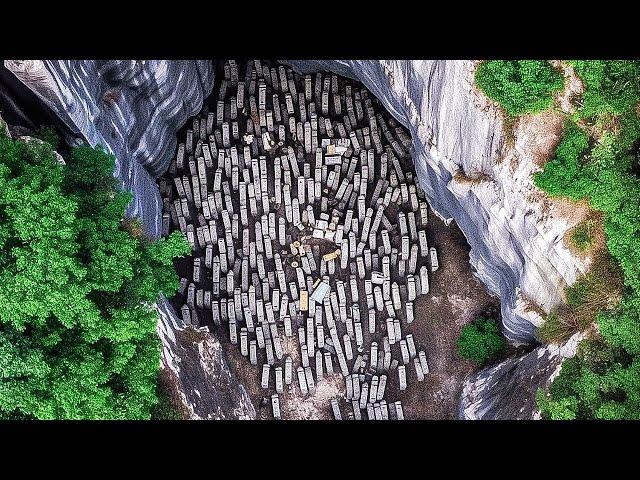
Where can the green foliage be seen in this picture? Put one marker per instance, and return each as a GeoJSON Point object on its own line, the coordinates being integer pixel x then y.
{"type": "Point", "coordinates": [481, 341]}
{"type": "Point", "coordinates": [597, 388]}
{"type": "Point", "coordinates": [603, 380]}
{"type": "Point", "coordinates": [47, 133]}
{"type": "Point", "coordinates": [583, 235]}
{"type": "Point", "coordinates": [561, 174]}
{"type": "Point", "coordinates": [598, 290]}
{"type": "Point", "coordinates": [77, 321]}
{"type": "Point", "coordinates": [611, 86]}
{"type": "Point", "coordinates": [519, 86]}
{"type": "Point", "coordinates": [564, 409]}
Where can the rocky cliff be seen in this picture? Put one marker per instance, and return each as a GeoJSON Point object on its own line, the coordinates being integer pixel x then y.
{"type": "Point", "coordinates": [132, 108]}
{"type": "Point", "coordinates": [507, 391]}
{"type": "Point", "coordinates": [201, 378]}
{"type": "Point", "coordinates": [469, 168]}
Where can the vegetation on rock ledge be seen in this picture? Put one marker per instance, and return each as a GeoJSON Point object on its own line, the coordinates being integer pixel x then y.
{"type": "Point", "coordinates": [77, 290]}
{"type": "Point", "coordinates": [597, 160]}
{"type": "Point", "coordinates": [519, 86]}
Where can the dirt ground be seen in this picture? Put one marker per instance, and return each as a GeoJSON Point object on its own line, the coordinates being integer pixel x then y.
{"type": "Point", "coordinates": [455, 298]}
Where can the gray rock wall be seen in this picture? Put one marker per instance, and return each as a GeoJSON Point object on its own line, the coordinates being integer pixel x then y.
{"type": "Point", "coordinates": [204, 383]}
{"type": "Point", "coordinates": [507, 391]}
{"type": "Point", "coordinates": [133, 108]}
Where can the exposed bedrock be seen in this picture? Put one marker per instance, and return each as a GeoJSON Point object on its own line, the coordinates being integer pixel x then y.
{"type": "Point", "coordinates": [202, 379]}
{"type": "Point", "coordinates": [507, 391]}
{"type": "Point", "coordinates": [134, 108]}
{"type": "Point", "coordinates": [471, 175]}
{"type": "Point", "coordinates": [468, 170]}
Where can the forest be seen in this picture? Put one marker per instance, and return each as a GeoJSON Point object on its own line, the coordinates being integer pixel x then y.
{"type": "Point", "coordinates": [78, 285]}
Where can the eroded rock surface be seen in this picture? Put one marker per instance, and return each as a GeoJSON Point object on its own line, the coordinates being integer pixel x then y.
{"type": "Point", "coordinates": [507, 391]}
{"type": "Point", "coordinates": [132, 108]}
{"type": "Point", "coordinates": [202, 380]}
{"type": "Point", "coordinates": [472, 174]}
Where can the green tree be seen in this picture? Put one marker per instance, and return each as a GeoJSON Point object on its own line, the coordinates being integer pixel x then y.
{"type": "Point", "coordinates": [77, 289]}
{"type": "Point", "coordinates": [611, 86]}
{"type": "Point", "coordinates": [519, 86]}
{"type": "Point", "coordinates": [481, 341]}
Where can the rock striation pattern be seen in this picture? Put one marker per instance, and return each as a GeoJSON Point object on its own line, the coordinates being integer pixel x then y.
{"type": "Point", "coordinates": [132, 108]}
{"type": "Point", "coordinates": [465, 164]}
{"type": "Point", "coordinates": [207, 388]}
{"type": "Point", "coordinates": [507, 391]}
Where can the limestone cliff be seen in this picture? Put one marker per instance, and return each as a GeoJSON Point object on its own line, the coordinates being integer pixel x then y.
{"type": "Point", "coordinates": [133, 109]}
{"type": "Point", "coordinates": [201, 377]}
{"type": "Point", "coordinates": [507, 391]}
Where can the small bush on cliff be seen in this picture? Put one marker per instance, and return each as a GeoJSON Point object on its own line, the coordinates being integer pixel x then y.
{"type": "Point", "coordinates": [519, 86]}
{"type": "Point", "coordinates": [599, 290]}
{"type": "Point", "coordinates": [598, 160]}
{"type": "Point", "coordinates": [47, 133]}
{"type": "Point", "coordinates": [481, 341]}
{"type": "Point", "coordinates": [612, 86]}
{"type": "Point", "coordinates": [583, 234]}
{"type": "Point", "coordinates": [77, 321]}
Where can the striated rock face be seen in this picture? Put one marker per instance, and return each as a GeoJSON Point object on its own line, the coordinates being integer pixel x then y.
{"type": "Point", "coordinates": [462, 160]}
{"type": "Point", "coordinates": [133, 108]}
{"type": "Point", "coordinates": [507, 391]}
{"type": "Point", "coordinates": [470, 174]}
{"type": "Point", "coordinates": [203, 381]}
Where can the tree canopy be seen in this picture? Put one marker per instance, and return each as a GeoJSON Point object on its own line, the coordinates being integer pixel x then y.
{"type": "Point", "coordinates": [77, 289]}
{"type": "Point", "coordinates": [519, 86]}
{"type": "Point", "coordinates": [597, 160]}
{"type": "Point", "coordinates": [481, 341]}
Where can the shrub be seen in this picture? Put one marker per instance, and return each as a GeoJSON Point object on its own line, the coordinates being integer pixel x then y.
{"type": "Point", "coordinates": [611, 86]}
{"type": "Point", "coordinates": [599, 290]}
{"type": "Point", "coordinates": [519, 86]}
{"type": "Point", "coordinates": [582, 236]}
{"type": "Point", "coordinates": [47, 133]}
{"type": "Point", "coordinates": [561, 175]}
{"type": "Point", "coordinates": [481, 341]}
